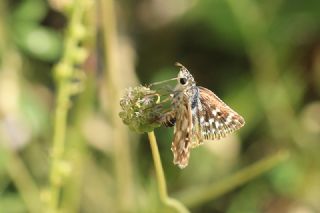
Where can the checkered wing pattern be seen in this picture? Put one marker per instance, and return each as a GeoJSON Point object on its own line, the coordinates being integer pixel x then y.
{"type": "Point", "coordinates": [215, 118]}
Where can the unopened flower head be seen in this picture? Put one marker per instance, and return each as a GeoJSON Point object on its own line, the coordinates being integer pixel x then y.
{"type": "Point", "coordinates": [141, 109]}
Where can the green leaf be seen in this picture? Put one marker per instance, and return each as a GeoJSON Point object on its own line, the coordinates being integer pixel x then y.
{"type": "Point", "coordinates": [31, 11]}
{"type": "Point", "coordinates": [40, 42]}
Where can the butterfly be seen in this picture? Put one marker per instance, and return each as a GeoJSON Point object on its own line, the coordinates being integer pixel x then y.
{"type": "Point", "coordinates": [197, 115]}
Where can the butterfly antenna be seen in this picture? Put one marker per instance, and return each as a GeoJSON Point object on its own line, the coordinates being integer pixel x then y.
{"type": "Point", "coordinates": [162, 82]}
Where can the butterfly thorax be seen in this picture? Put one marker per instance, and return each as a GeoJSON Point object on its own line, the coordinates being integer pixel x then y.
{"type": "Point", "coordinates": [191, 94]}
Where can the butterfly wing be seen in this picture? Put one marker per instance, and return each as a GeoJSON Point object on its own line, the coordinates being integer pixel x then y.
{"type": "Point", "coordinates": [210, 119]}
{"type": "Point", "coordinates": [216, 119]}
{"type": "Point", "coordinates": [181, 144]}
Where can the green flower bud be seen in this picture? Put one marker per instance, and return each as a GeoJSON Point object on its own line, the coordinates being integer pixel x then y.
{"type": "Point", "coordinates": [141, 109]}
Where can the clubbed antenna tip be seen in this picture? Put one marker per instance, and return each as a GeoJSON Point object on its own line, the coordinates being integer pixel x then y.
{"type": "Point", "coordinates": [179, 65]}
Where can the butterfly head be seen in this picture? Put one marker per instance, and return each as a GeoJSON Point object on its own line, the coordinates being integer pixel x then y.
{"type": "Point", "coordinates": [185, 79]}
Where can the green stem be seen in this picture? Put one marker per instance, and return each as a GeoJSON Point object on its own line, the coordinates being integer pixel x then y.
{"type": "Point", "coordinates": [162, 185]}
{"type": "Point", "coordinates": [114, 78]}
{"type": "Point", "coordinates": [201, 194]}
{"type": "Point", "coordinates": [23, 181]}
{"type": "Point", "coordinates": [60, 125]}
{"type": "Point", "coordinates": [64, 71]}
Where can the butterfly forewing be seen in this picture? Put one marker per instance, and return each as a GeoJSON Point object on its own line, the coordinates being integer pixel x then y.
{"type": "Point", "coordinates": [182, 133]}
{"type": "Point", "coordinates": [216, 118]}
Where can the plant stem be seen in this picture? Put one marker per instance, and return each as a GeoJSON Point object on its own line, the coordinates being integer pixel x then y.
{"type": "Point", "coordinates": [201, 194]}
{"type": "Point", "coordinates": [60, 125]}
{"type": "Point", "coordinates": [114, 81]}
{"type": "Point", "coordinates": [24, 182]}
{"type": "Point", "coordinates": [64, 71]}
{"type": "Point", "coordinates": [162, 185]}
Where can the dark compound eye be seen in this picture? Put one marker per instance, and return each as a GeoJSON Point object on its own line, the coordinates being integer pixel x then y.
{"type": "Point", "coordinates": [183, 81]}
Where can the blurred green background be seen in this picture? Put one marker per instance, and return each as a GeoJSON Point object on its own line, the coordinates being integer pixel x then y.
{"type": "Point", "coordinates": [261, 57]}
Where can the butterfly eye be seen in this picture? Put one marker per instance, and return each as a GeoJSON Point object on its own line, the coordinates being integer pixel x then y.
{"type": "Point", "coordinates": [183, 81]}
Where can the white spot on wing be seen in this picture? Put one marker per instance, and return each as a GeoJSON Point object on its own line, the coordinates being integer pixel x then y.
{"type": "Point", "coordinates": [229, 119]}
{"type": "Point", "coordinates": [211, 120]}
{"type": "Point", "coordinates": [214, 112]}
